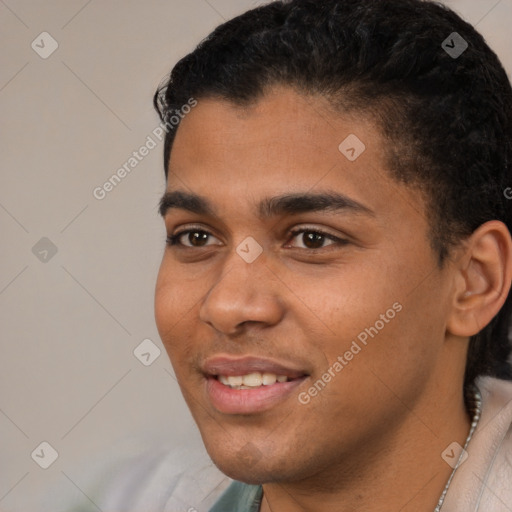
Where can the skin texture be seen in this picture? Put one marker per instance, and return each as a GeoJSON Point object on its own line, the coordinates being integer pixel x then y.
{"type": "Point", "coordinates": [372, 438]}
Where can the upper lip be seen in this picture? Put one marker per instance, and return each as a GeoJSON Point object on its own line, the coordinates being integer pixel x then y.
{"type": "Point", "coordinates": [225, 365]}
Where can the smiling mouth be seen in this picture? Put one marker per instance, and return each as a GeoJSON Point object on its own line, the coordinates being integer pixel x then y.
{"type": "Point", "coordinates": [249, 384]}
{"type": "Point", "coordinates": [253, 380]}
{"type": "Point", "coordinates": [251, 393]}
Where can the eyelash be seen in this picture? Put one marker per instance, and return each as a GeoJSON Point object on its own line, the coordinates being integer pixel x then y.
{"type": "Point", "coordinates": [328, 236]}
{"type": "Point", "coordinates": [173, 240]}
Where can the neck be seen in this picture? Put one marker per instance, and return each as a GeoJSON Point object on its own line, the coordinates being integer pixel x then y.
{"type": "Point", "coordinates": [402, 471]}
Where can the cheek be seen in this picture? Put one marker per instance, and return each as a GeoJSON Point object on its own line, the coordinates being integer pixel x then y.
{"type": "Point", "coordinates": [171, 304]}
{"type": "Point", "coordinates": [178, 297]}
{"type": "Point", "coordinates": [176, 292]}
{"type": "Point", "coordinates": [342, 300]}
{"type": "Point", "coordinates": [164, 301]}
{"type": "Point", "coordinates": [382, 307]}
{"type": "Point", "coordinates": [393, 344]}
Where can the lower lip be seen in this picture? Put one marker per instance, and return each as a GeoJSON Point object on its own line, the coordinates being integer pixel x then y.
{"type": "Point", "coordinates": [248, 401]}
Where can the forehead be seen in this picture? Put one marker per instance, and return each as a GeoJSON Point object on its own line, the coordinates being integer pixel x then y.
{"type": "Point", "coordinates": [282, 118]}
{"type": "Point", "coordinates": [284, 143]}
{"type": "Point", "coordinates": [284, 131]}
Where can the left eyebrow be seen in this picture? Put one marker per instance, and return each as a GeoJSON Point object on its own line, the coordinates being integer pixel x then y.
{"type": "Point", "coordinates": [287, 204]}
{"type": "Point", "coordinates": [310, 202]}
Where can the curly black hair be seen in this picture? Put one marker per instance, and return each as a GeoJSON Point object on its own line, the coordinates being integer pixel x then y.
{"type": "Point", "coordinates": [447, 115]}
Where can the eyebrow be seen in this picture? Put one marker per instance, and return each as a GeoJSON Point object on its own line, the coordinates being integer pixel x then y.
{"type": "Point", "coordinates": [269, 207]}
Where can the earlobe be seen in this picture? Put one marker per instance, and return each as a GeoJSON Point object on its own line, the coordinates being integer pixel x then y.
{"type": "Point", "coordinates": [482, 279]}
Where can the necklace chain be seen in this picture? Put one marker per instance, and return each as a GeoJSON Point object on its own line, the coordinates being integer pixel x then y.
{"type": "Point", "coordinates": [475, 406]}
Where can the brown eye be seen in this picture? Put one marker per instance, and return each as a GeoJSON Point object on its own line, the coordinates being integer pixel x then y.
{"type": "Point", "coordinates": [197, 238]}
{"type": "Point", "coordinates": [312, 240]}
{"type": "Point", "coordinates": [315, 239]}
{"type": "Point", "coordinates": [190, 238]}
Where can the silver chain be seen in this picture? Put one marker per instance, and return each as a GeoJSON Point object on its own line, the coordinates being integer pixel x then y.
{"type": "Point", "coordinates": [477, 410]}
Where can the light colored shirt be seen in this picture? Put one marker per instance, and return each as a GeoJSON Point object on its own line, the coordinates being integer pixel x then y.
{"type": "Point", "coordinates": [239, 497]}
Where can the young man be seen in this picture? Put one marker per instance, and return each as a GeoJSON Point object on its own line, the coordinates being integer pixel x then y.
{"type": "Point", "coordinates": [334, 296]}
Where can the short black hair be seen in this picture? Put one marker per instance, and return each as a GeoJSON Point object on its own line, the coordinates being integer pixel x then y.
{"type": "Point", "coordinates": [447, 117]}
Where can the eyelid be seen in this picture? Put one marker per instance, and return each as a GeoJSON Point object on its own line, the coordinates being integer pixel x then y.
{"type": "Point", "coordinates": [193, 227]}
{"type": "Point", "coordinates": [337, 240]}
{"type": "Point", "coordinates": [178, 234]}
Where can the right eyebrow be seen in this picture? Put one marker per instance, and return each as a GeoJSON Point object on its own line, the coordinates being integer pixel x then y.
{"type": "Point", "coordinates": [185, 201]}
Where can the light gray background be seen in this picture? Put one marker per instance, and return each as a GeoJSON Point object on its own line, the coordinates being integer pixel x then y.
{"type": "Point", "coordinates": [68, 375]}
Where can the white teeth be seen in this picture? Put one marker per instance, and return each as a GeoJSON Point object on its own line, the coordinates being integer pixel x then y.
{"type": "Point", "coordinates": [269, 379]}
{"type": "Point", "coordinates": [224, 380]}
{"type": "Point", "coordinates": [235, 380]}
{"type": "Point", "coordinates": [251, 380]}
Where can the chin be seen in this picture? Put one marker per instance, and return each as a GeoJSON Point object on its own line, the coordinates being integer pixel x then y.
{"type": "Point", "coordinates": [250, 466]}
{"type": "Point", "coordinates": [252, 475]}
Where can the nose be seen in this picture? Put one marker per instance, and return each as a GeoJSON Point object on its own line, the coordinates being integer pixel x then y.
{"type": "Point", "coordinates": [243, 293]}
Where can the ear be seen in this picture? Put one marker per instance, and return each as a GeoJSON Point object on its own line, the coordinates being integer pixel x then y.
{"type": "Point", "coordinates": [482, 279]}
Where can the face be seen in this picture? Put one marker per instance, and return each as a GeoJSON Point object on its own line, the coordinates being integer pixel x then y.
{"type": "Point", "coordinates": [299, 275]}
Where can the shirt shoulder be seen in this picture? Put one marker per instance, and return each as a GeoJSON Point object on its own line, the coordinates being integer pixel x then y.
{"type": "Point", "coordinates": [239, 497]}
{"type": "Point", "coordinates": [164, 478]}
{"type": "Point", "coordinates": [483, 481]}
